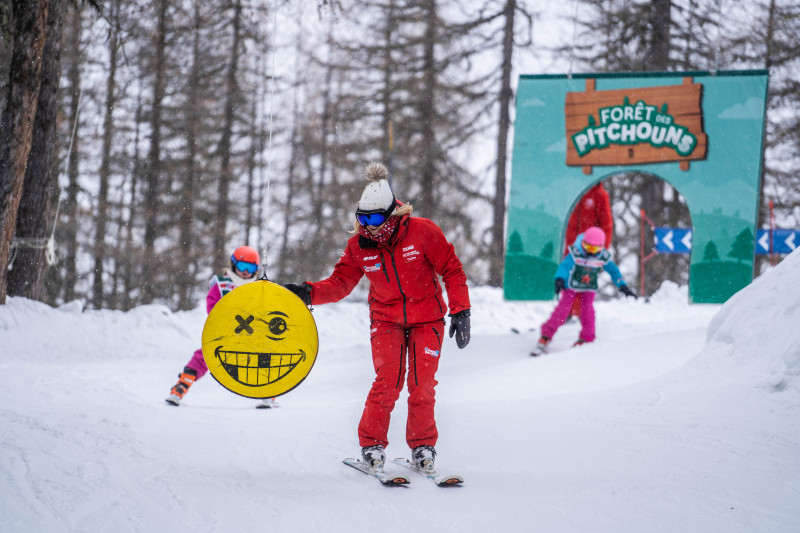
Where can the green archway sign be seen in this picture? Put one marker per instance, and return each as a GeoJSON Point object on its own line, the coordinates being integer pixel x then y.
{"type": "Point", "coordinates": [699, 131]}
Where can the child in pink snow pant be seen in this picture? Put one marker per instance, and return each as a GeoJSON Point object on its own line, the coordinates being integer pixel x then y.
{"type": "Point", "coordinates": [197, 363]}
{"type": "Point", "coordinates": [562, 311]}
{"type": "Point", "coordinates": [244, 265]}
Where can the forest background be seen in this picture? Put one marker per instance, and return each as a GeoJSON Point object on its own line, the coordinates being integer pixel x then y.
{"type": "Point", "coordinates": [141, 140]}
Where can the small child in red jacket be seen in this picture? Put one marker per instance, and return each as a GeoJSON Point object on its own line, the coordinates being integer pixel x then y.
{"type": "Point", "coordinates": [244, 264]}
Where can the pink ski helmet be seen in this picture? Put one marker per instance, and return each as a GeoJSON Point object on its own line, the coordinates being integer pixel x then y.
{"type": "Point", "coordinates": [593, 240]}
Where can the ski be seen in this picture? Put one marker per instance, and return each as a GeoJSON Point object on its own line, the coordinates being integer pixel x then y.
{"type": "Point", "coordinates": [268, 403]}
{"type": "Point", "coordinates": [383, 477]}
{"type": "Point", "coordinates": [439, 480]}
{"type": "Point", "coordinates": [539, 350]}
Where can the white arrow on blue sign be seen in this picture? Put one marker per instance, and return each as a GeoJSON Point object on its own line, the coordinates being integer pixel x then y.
{"type": "Point", "coordinates": [673, 240]}
{"type": "Point", "coordinates": [679, 241]}
{"type": "Point", "coordinates": [784, 241]}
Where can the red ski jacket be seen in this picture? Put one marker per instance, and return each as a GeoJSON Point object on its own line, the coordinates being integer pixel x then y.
{"type": "Point", "coordinates": [593, 209]}
{"type": "Point", "coordinates": [404, 287]}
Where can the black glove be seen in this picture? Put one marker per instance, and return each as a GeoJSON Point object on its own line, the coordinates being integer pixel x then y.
{"type": "Point", "coordinates": [459, 325]}
{"type": "Point", "coordinates": [626, 291]}
{"type": "Point", "coordinates": [302, 291]}
{"type": "Point", "coordinates": [560, 285]}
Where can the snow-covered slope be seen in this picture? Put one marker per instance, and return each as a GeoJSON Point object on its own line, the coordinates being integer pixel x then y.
{"type": "Point", "coordinates": [678, 418]}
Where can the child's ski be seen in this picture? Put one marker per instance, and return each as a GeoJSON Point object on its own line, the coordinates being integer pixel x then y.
{"type": "Point", "coordinates": [539, 349]}
{"type": "Point", "coordinates": [383, 477]}
{"type": "Point", "coordinates": [439, 480]}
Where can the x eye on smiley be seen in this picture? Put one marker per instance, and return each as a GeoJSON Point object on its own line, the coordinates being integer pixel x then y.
{"type": "Point", "coordinates": [244, 324]}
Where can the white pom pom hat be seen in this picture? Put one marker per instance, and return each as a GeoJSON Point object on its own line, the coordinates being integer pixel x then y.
{"type": "Point", "coordinates": [377, 195]}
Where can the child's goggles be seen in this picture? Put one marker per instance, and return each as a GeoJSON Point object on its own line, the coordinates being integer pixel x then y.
{"type": "Point", "coordinates": [592, 249]}
{"type": "Point", "coordinates": [373, 218]}
{"type": "Point", "coordinates": [244, 266]}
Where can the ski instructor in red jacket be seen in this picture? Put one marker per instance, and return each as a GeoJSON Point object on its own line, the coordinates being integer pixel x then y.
{"type": "Point", "coordinates": [403, 257]}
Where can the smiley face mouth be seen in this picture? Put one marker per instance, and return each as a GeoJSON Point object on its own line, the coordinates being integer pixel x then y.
{"type": "Point", "coordinates": [256, 369]}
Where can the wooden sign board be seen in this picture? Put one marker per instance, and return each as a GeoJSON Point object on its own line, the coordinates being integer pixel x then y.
{"type": "Point", "coordinates": [632, 126]}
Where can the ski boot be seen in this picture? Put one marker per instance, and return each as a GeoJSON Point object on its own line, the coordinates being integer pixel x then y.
{"type": "Point", "coordinates": [541, 346]}
{"type": "Point", "coordinates": [267, 403]}
{"type": "Point", "coordinates": [374, 457]}
{"type": "Point", "coordinates": [185, 380]}
{"type": "Point", "coordinates": [580, 342]}
{"type": "Point", "coordinates": [423, 458]}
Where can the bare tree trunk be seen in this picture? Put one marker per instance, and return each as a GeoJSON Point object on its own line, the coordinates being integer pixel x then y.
{"type": "Point", "coordinates": [386, 94]}
{"type": "Point", "coordinates": [660, 45]}
{"type": "Point", "coordinates": [249, 219]}
{"type": "Point", "coordinates": [763, 212]}
{"type": "Point", "coordinates": [154, 163]}
{"type": "Point", "coordinates": [16, 130]}
{"type": "Point", "coordinates": [504, 124]}
{"type": "Point", "coordinates": [427, 118]}
{"type": "Point", "coordinates": [317, 247]}
{"type": "Point", "coordinates": [105, 165]}
{"type": "Point", "coordinates": [6, 49]}
{"type": "Point", "coordinates": [186, 244]}
{"type": "Point", "coordinates": [34, 215]}
{"type": "Point", "coordinates": [225, 177]}
{"type": "Point", "coordinates": [292, 173]}
{"type": "Point", "coordinates": [71, 197]}
{"type": "Point", "coordinates": [127, 275]}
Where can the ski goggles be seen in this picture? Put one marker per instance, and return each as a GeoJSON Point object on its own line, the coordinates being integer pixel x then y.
{"type": "Point", "coordinates": [244, 266]}
{"type": "Point", "coordinates": [592, 249]}
{"type": "Point", "coordinates": [373, 218]}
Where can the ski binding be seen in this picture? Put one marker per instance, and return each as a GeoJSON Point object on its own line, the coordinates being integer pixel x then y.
{"type": "Point", "coordinates": [439, 480]}
{"type": "Point", "coordinates": [384, 477]}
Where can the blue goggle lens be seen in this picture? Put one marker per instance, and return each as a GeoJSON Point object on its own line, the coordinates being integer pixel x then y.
{"type": "Point", "coordinates": [244, 266]}
{"type": "Point", "coordinates": [371, 219]}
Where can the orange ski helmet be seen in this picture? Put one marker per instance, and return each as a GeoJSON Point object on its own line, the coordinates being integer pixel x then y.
{"type": "Point", "coordinates": [245, 259]}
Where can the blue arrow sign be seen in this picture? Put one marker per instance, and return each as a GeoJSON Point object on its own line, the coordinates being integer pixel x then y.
{"type": "Point", "coordinates": [673, 240]}
{"type": "Point", "coordinates": [679, 241]}
{"type": "Point", "coordinates": [784, 241]}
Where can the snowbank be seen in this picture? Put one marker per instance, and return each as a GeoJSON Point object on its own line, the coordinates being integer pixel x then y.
{"type": "Point", "coordinates": [758, 329]}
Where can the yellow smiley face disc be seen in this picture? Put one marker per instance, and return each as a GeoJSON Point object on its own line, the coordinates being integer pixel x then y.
{"type": "Point", "coordinates": [260, 340]}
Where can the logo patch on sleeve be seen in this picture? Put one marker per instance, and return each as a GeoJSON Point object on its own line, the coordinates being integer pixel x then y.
{"type": "Point", "coordinates": [413, 255]}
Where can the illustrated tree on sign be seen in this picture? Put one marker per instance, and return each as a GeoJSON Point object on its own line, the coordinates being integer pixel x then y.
{"type": "Point", "coordinates": [710, 252]}
{"type": "Point", "coordinates": [744, 246]}
{"type": "Point", "coordinates": [547, 250]}
{"type": "Point", "coordinates": [515, 244]}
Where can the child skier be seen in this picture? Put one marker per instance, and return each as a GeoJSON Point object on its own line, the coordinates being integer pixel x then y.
{"type": "Point", "coordinates": [576, 274]}
{"type": "Point", "coordinates": [403, 257]}
{"type": "Point", "coordinates": [244, 264]}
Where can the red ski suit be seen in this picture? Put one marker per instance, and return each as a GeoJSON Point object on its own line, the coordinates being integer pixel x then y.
{"type": "Point", "coordinates": [593, 209]}
{"type": "Point", "coordinates": [407, 320]}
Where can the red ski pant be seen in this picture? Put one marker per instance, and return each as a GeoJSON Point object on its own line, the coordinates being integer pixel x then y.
{"type": "Point", "coordinates": [395, 347]}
